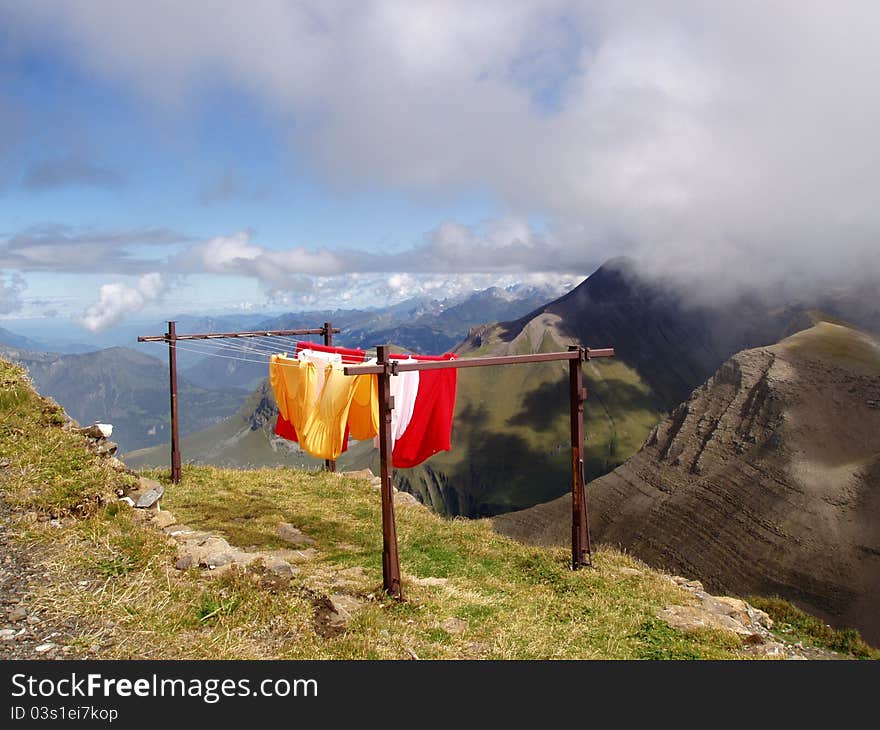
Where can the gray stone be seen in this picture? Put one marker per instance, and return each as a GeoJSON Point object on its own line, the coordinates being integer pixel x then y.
{"type": "Point", "coordinates": [43, 648]}
{"type": "Point", "coordinates": [117, 464]}
{"type": "Point", "coordinates": [344, 607]}
{"type": "Point", "coordinates": [454, 625]}
{"type": "Point", "coordinates": [19, 613]}
{"type": "Point", "coordinates": [184, 562]}
{"type": "Point", "coordinates": [215, 560]}
{"type": "Point", "coordinates": [692, 618]}
{"type": "Point", "coordinates": [280, 567]}
{"type": "Point", "coordinates": [293, 535]}
{"type": "Point", "coordinates": [92, 432]}
{"type": "Point", "coordinates": [152, 491]}
{"type": "Point", "coordinates": [7, 634]}
{"type": "Point", "coordinates": [106, 448]}
{"type": "Point", "coordinates": [164, 519]}
{"type": "Point", "coordinates": [404, 498]}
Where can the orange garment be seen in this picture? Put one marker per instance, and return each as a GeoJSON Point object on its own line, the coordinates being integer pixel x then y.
{"type": "Point", "coordinates": [363, 416]}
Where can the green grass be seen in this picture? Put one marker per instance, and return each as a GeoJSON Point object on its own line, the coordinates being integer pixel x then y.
{"type": "Point", "coordinates": [49, 468]}
{"type": "Point", "coordinates": [111, 574]}
{"type": "Point", "coordinates": [797, 625]}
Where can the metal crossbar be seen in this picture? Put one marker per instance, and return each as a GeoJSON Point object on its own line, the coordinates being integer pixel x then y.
{"type": "Point", "coordinates": [172, 338]}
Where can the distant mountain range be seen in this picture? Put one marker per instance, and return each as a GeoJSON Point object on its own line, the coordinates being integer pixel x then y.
{"type": "Point", "coordinates": [510, 439]}
{"type": "Point", "coordinates": [129, 387]}
{"type": "Point", "coordinates": [420, 325]}
{"type": "Point", "coordinates": [765, 480]}
{"type": "Point", "coordinates": [126, 388]}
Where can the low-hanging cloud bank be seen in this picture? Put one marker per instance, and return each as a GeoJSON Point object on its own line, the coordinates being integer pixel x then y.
{"type": "Point", "coordinates": [708, 140]}
{"type": "Point", "coordinates": [117, 300]}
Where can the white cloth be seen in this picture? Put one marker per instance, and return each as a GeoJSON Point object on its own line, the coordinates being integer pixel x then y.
{"type": "Point", "coordinates": [404, 389]}
{"type": "Point", "coordinates": [321, 361]}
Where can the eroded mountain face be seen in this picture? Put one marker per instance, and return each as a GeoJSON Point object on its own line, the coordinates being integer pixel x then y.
{"type": "Point", "coordinates": [766, 480]}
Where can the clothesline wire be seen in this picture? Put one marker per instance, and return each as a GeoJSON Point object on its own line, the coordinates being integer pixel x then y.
{"type": "Point", "coordinates": [211, 348]}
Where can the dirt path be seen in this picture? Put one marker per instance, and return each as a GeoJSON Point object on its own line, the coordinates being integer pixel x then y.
{"type": "Point", "coordinates": [23, 632]}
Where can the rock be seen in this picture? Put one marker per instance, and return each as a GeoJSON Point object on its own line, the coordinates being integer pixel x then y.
{"type": "Point", "coordinates": [19, 613]}
{"type": "Point", "coordinates": [7, 634]}
{"type": "Point", "coordinates": [693, 618]}
{"type": "Point", "coordinates": [292, 535]}
{"type": "Point", "coordinates": [43, 648]}
{"type": "Point", "coordinates": [93, 432]}
{"type": "Point", "coordinates": [727, 606]}
{"type": "Point", "coordinates": [164, 519]}
{"type": "Point", "coordinates": [768, 649]}
{"type": "Point", "coordinates": [106, 429]}
{"type": "Point", "coordinates": [344, 607]}
{"type": "Point", "coordinates": [117, 464]}
{"type": "Point", "coordinates": [33, 620]}
{"type": "Point", "coordinates": [758, 616]}
{"type": "Point", "coordinates": [184, 562]}
{"type": "Point", "coordinates": [280, 567]}
{"type": "Point", "coordinates": [215, 560]}
{"type": "Point", "coordinates": [454, 625]}
{"type": "Point", "coordinates": [404, 498]}
{"type": "Point", "coordinates": [151, 492]}
{"type": "Point", "coordinates": [128, 500]}
{"type": "Point", "coordinates": [107, 448]}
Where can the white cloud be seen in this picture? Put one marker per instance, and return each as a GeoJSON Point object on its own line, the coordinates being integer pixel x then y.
{"type": "Point", "coordinates": [733, 138]}
{"type": "Point", "coordinates": [117, 300]}
{"type": "Point", "coordinates": [11, 288]}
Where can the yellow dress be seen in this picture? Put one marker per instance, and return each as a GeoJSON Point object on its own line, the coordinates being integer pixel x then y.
{"type": "Point", "coordinates": [320, 416]}
{"type": "Point", "coordinates": [293, 384]}
{"type": "Point", "coordinates": [324, 431]}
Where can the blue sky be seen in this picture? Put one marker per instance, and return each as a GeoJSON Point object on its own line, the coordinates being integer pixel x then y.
{"type": "Point", "coordinates": [161, 157]}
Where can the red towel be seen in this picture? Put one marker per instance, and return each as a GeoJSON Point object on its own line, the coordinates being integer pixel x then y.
{"type": "Point", "coordinates": [430, 429]}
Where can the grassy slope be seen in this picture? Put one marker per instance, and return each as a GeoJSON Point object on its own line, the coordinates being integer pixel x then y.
{"type": "Point", "coordinates": [113, 575]}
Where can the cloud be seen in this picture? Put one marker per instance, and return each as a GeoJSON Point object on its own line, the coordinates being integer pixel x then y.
{"type": "Point", "coordinates": [11, 288]}
{"type": "Point", "coordinates": [118, 300]}
{"type": "Point", "coordinates": [68, 171]}
{"type": "Point", "coordinates": [54, 247]}
{"type": "Point", "coordinates": [710, 140]}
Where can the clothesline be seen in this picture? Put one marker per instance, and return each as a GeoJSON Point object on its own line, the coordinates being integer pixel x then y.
{"type": "Point", "coordinates": [261, 354]}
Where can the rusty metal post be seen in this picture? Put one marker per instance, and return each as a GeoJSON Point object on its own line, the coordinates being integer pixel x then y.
{"type": "Point", "coordinates": [581, 553]}
{"type": "Point", "coordinates": [329, 464]}
{"type": "Point", "coordinates": [390, 561]}
{"type": "Point", "coordinates": [171, 338]}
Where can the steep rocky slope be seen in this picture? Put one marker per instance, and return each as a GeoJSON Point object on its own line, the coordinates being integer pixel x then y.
{"type": "Point", "coordinates": [766, 480]}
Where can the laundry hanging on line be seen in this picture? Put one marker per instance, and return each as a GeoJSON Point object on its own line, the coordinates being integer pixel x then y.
{"type": "Point", "coordinates": [283, 426]}
{"type": "Point", "coordinates": [321, 416]}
